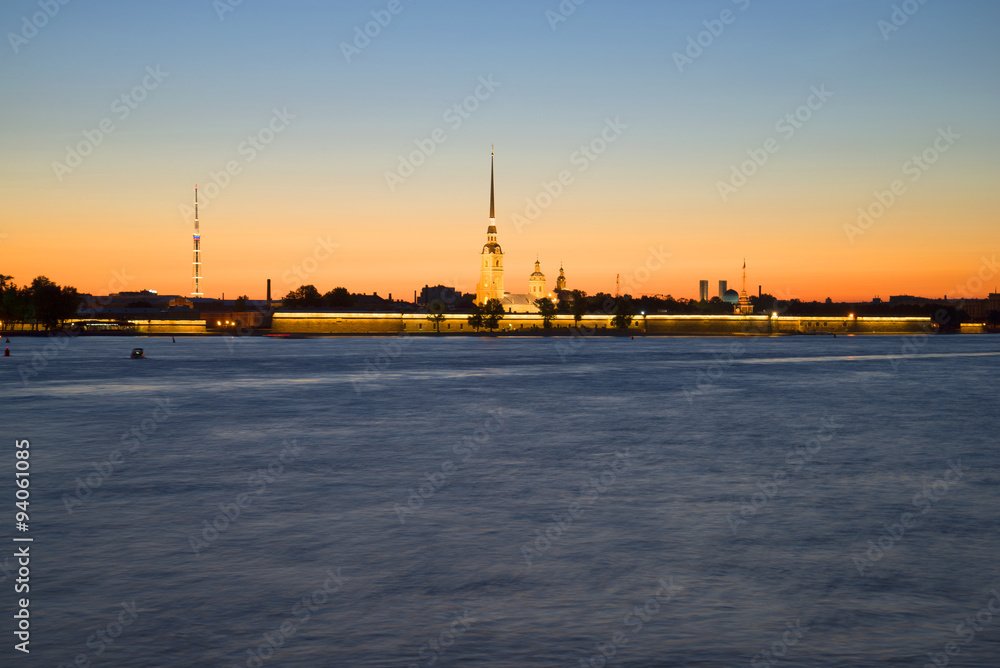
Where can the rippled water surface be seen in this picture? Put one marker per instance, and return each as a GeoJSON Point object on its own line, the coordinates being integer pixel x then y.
{"type": "Point", "coordinates": [509, 502]}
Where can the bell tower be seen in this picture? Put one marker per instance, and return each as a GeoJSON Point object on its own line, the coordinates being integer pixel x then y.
{"type": "Point", "coordinates": [491, 264]}
{"type": "Point", "coordinates": [536, 282]}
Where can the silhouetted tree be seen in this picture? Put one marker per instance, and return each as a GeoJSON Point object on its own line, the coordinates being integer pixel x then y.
{"type": "Point", "coordinates": [240, 304]}
{"type": "Point", "coordinates": [547, 310]}
{"type": "Point", "coordinates": [764, 302]}
{"type": "Point", "coordinates": [15, 307]}
{"type": "Point", "coordinates": [339, 298]}
{"type": "Point", "coordinates": [476, 319]}
{"type": "Point", "coordinates": [622, 312]}
{"type": "Point", "coordinates": [436, 309]}
{"type": "Point", "coordinates": [579, 306]}
{"type": "Point", "coordinates": [303, 297]}
{"type": "Point", "coordinates": [51, 304]}
{"type": "Point", "coordinates": [492, 314]}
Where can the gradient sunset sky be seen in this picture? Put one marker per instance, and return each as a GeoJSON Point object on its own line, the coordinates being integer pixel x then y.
{"type": "Point", "coordinates": [223, 70]}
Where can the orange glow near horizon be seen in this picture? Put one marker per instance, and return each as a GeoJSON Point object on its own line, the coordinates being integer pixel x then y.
{"type": "Point", "coordinates": [398, 244]}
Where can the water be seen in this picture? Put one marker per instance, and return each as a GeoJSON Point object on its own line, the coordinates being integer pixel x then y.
{"type": "Point", "coordinates": [821, 442]}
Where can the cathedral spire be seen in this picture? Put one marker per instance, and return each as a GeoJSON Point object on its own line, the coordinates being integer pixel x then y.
{"type": "Point", "coordinates": [493, 214]}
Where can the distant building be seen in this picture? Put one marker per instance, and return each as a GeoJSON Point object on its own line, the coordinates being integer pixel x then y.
{"type": "Point", "coordinates": [536, 282]}
{"type": "Point", "coordinates": [441, 293]}
{"type": "Point", "coordinates": [731, 297]}
{"type": "Point", "coordinates": [703, 291]}
{"type": "Point", "coordinates": [561, 281]}
{"type": "Point", "coordinates": [491, 264]}
{"type": "Point", "coordinates": [744, 306]}
{"type": "Point", "coordinates": [722, 289]}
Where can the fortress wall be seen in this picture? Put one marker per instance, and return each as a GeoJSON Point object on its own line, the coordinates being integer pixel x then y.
{"type": "Point", "coordinates": [658, 324]}
{"type": "Point", "coordinates": [169, 326]}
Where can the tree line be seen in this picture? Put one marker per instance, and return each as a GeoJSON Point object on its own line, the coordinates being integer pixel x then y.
{"type": "Point", "coordinates": [42, 304]}
{"type": "Point", "coordinates": [308, 297]}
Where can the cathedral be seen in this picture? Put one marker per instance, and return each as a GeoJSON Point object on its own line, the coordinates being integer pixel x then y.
{"type": "Point", "coordinates": [491, 271]}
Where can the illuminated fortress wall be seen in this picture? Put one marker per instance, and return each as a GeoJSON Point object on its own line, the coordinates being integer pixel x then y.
{"type": "Point", "coordinates": [719, 325]}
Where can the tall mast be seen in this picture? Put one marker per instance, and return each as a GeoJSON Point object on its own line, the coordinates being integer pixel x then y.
{"type": "Point", "coordinates": [197, 248]}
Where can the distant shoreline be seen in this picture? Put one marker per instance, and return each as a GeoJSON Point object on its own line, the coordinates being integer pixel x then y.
{"type": "Point", "coordinates": [561, 333]}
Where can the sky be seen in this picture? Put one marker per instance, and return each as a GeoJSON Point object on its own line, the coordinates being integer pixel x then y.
{"type": "Point", "coordinates": [843, 148]}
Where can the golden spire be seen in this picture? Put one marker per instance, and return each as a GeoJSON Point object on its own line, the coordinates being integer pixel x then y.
{"type": "Point", "coordinates": [493, 214]}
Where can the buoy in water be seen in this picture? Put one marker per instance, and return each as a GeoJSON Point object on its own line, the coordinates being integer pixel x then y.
{"type": "Point", "coordinates": [6, 352]}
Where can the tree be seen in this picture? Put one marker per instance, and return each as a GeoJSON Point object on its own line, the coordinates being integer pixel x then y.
{"type": "Point", "coordinates": [993, 318]}
{"type": "Point", "coordinates": [623, 313]}
{"type": "Point", "coordinates": [579, 306]}
{"type": "Point", "coordinates": [52, 304]}
{"type": "Point", "coordinates": [476, 319]}
{"type": "Point", "coordinates": [240, 304]}
{"type": "Point", "coordinates": [563, 298]}
{"type": "Point", "coordinates": [436, 316]}
{"type": "Point", "coordinates": [339, 298]}
{"type": "Point", "coordinates": [487, 316]}
{"type": "Point", "coordinates": [492, 314]}
{"type": "Point", "coordinates": [547, 309]}
{"type": "Point", "coordinates": [303, 297]}
{"type": "Point", "coordinates": [764, 302]}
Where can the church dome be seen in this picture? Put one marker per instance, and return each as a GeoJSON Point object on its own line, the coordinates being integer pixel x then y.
{"type": "Point", "coordinates": [731, 296]}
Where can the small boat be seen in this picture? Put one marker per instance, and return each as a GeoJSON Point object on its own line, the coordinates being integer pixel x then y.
{"type": "Point", "coordinates": [138, 354]}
